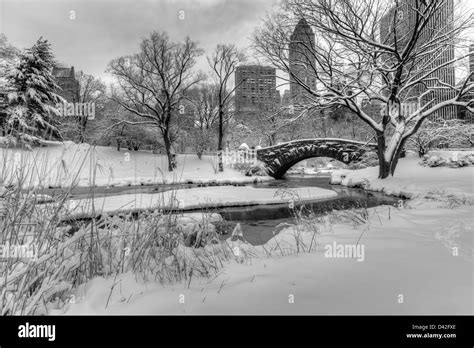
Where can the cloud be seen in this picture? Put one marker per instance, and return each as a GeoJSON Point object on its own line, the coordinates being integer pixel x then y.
{"type": "Point", "coordinates": [105, 29]}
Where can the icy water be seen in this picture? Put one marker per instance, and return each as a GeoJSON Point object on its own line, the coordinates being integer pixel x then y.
{"type": "Point", "coordinates": [259, 223]}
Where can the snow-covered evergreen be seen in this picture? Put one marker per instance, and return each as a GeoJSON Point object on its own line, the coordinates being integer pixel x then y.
{"type": "Point", "coordinates": [8, 56]}
{"type": "Point", "coordinates": [32, 113]}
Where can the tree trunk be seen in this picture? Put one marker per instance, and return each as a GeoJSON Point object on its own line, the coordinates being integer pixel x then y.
{"type": "Point", "coordinates": [383, 166]}
{"type": "Point", "coordinates": [396, 157]}
{"type": "Point", "coordinates": [384, 169]}
{"type": "Point", "coordinates": [82, 129]}
{"type": "Point", "coordinates": [221, 137]}
{"type": "Point", "coordinates": [169, 154]}
{"type": "Point", "coordinates": [272, 139]}
{"type": "Point", "coordinates": [387, 167]}
{"type": "Point", "coordinates": [201, 143]}
{"type": "Point", "coordinates": [421, 152]}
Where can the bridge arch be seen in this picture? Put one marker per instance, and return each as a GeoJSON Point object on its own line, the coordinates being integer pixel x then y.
{"type": "Point", "coordinates": [279, 158]}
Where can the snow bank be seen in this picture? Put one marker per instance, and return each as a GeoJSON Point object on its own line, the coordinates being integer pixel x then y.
{"type": "Point", "coordinates": [412, 180]}
{"type": "Point", "coordinates": [404, 255]}
{"type": "Point", "coordinates": [67, 164]}
{"type": "Point", "coordinates": [421, 251]}
{"type": "Point", "coordinates": [446, 154]}
{"type": "Point", "coordinates": [196, 198]}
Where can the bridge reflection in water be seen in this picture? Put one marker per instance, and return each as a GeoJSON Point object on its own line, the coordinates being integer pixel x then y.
{"type": "Point", "coordinates": [260, 223]}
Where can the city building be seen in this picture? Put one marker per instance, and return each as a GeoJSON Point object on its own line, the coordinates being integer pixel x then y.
{"type": "Point", "coordinates": [286, 98]}
{"type": "Point", "coordinates": [277, 97]}
{"type": "Point", "coordinates": [66, 80]}
{"type": "Point", "coordinates": [471, 61]}
{"type": "Point", "coordinates": [301, 61]}
{"type": "Point", "coordinates": [463, 113]}
{"type": "Point", "coordinates": [440, 24]}
{"type": "Point", "coordinates": [255, 88]}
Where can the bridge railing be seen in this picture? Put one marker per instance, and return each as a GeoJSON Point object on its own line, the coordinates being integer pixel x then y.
{"type": "Point", "coordinates": [355, 142]}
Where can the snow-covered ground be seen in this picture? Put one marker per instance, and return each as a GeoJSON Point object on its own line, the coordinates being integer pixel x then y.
{"type": "Point", "coordinates": [416, 259]}
{"type": "Point", "coordinates": [68, 164]}
{"type": "Point", "coordinates": [197, 198]}
{"type": "Point", "coordinates": [412, 180]}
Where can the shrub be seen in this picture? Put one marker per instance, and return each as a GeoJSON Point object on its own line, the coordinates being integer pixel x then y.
{"type": "Point", "coordinates": [454, 161]}
{"type": "Point", "coordinates": [251, 169]}
{"type": "Point", "coordinates": [369, 159]}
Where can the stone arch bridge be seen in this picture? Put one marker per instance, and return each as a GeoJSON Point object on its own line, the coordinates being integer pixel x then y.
{"type": "Point", "coordinates": [279, 158]}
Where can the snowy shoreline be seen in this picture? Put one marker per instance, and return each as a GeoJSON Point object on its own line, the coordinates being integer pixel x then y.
{"type": "Point", "coordinates": [417, 251]}
{"type": "Point", "coordinates": [411, 181]}
{"type": "Point", "coordinates": [196, 198]}
{"type": "Point", "coordinates": [317, 283]}
{"type": "Point", "coordinates": [62, 165]}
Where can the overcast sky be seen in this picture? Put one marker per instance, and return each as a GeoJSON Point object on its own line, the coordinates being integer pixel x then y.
{"type": "Point", "coordinates": [106, 29]}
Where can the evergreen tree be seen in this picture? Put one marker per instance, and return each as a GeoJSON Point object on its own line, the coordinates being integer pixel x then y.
{"type": "Point", "coordinates": [32, 112]}
{"type": "Point", "coordinates": [8, 54]}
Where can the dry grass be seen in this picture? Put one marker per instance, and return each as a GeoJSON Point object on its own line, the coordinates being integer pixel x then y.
{"type": "Point", "coordinates": [157, 246]}
{"type": "Point", "coordinates": [152, 245]}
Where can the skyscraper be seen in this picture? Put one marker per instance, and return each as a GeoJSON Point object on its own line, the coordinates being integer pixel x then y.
{"type": "Point", "coordinates": [255, 87]}
{"type": "Point", "coordinates": [463, 113]}
{"type": "Point", "coordinates": [301, 61]}
{"type": "Point", "coordinates": [286, 98]}
{"type": "Point", "coordinates": [439, 25]}
{"type": "Point", "coordinates": [66, 80]}
{"type": "Point", "coordinates": [471, 61]}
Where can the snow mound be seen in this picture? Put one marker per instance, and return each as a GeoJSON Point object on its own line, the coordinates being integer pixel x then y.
{"type": "Point", "coordinates": [412, 180]}
{"type": "Point", "coordinates": [66, 164]}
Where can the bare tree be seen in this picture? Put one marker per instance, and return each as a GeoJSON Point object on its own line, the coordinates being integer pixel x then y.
{"type": "Point", "coordinates": [398, 54]}
{"type": "Point", "coordinates": [270, 123]}
{"type": "Point", "coordinates": [223, 63]}
{"type": "Point", "coordinates": [92, 90]}
{"type": "Point", "coordinates": [454, 132]}
{"type": "Point", "coordinates": [153, 82]}
{"type": "Point", "coordinates": [203, 101]}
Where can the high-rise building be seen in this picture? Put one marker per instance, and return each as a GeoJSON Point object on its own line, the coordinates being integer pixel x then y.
{"type": "Point", "coordinates": [463, 112]}
{"type": "Point", "coordinates": [302, 61]}
{"type": "Point", "coordinates": [66, 79]}
{"type": "Point", "coordinates": [471, 61]}
{"type": "Point", "coordinates": [286, 98]}
{"type": "Point", "coordinates": [440, 24]}
{"type": "Point", "coordinates": [277, 97]}
{"type": "Point", "coordinates": [255, 88]}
